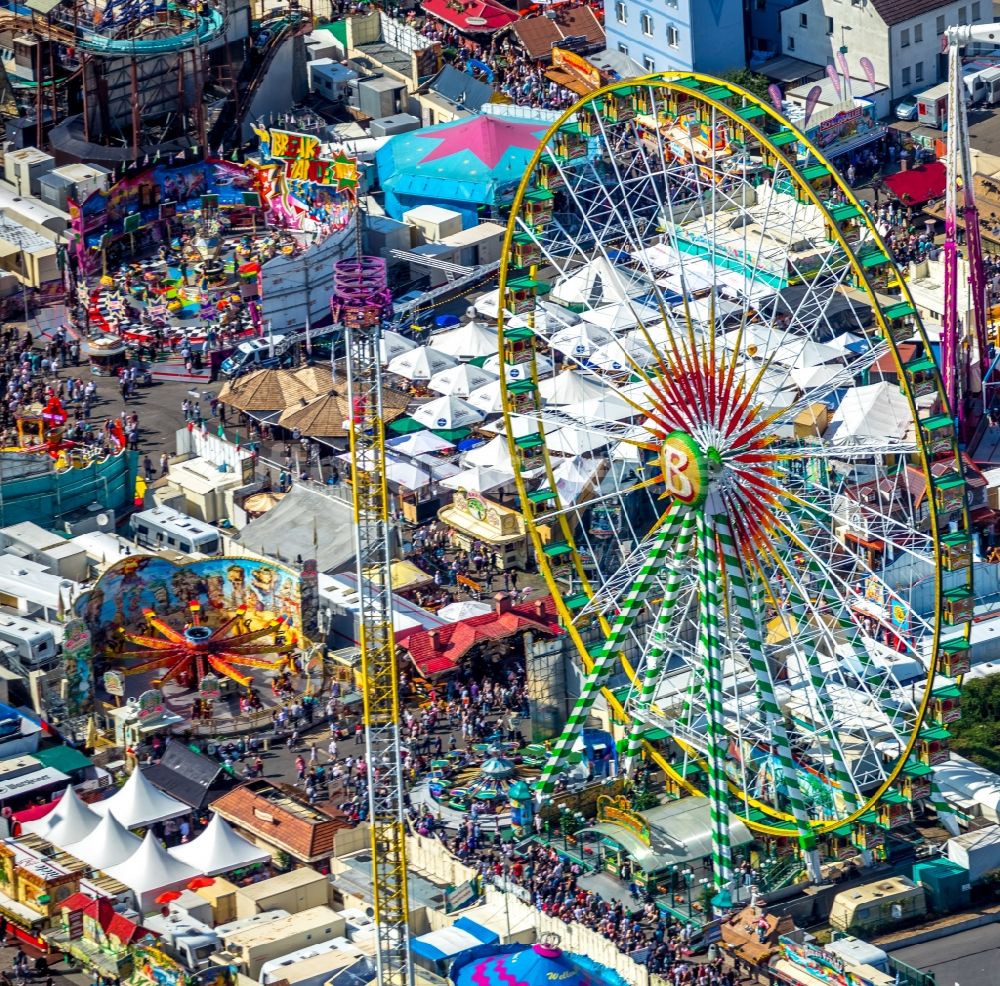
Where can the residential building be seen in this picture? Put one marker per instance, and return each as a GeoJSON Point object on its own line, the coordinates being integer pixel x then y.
{"type": "Point", "coordinates": [764, 26]}
{"type": "Point", "coordinates": [678, 35]}
{"type": "Point", "coordinates": [901, 38]}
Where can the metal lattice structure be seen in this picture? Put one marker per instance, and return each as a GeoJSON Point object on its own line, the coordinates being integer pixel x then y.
{"type": "Point", "coordinates": [748, 503]}
{"type": "Point", "coordinates": [360, 302]}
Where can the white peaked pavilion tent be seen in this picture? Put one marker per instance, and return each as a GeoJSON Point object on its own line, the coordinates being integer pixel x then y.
{"type": "Point", "coordinates": [150, 870]}
{"type": "Point", "coordinates": [466, 341]}
{"type": "Point", "coordinates": [570, 387]}
{"type": "Point", "coordinates": [69, 821]}
{"type": "Point", "coordinates": [139, 803]}
{"type": "Point", "coordinates": [108, 845]}
{"type": "Point", "coordinates": [218, 849]}
{"type": "Point", "coordinates": [448, 412]}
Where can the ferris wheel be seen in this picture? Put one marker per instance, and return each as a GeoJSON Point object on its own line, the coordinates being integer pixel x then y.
{"type": "Point", "coordinates": [736, 465]}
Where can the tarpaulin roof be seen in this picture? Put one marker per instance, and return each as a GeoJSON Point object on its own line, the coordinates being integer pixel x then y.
{"type": "Point", "coordinates": [918, 185]}
{"type": "Point", "coordinates": [453, 940]}
{"type": "Point", "coordinates": [306, 524]}
{"type": "Point", "coordinates": [463, 161]}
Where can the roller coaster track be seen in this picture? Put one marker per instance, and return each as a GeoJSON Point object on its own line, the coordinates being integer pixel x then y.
{"type": "Point", "coordinates": [228, 121]}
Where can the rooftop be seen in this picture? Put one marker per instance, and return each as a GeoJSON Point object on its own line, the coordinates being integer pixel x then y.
{"type": "Point", "coordinates": [538, 34]}
{"type": "Point", "coordinates": [439, 650]}
{"type": "Point", "coordinates": [279, 815]}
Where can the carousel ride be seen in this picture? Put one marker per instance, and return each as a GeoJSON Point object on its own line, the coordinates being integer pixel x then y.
{"type": "Point", "coordinates": [188, 655]}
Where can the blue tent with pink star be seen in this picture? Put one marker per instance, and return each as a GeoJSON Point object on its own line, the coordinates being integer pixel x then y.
{"type": "Point", "coordinates": [530, 965]}
{"type": "Point", "coordinates": [461, 166]}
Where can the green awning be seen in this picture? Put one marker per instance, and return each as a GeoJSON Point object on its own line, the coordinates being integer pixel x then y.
{"type": "Point", "coordinates": [452, 434]}
{"type": "Point", "coordinates": [405, 426]}
{"type": "Point", "coordinates": [63, 758]}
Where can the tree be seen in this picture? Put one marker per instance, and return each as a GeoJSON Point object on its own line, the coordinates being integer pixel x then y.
{"type": "Point", "coordinates": [754, 83]}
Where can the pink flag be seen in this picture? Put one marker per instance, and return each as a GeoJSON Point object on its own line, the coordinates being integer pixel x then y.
{"type": "Point", "coordinates": [869, 70]}
{"type": "Point", "coordinates": [776, 98]}
{"type": "Point", "coordinates": [835, 79]}
{"type": "Point", "coordinates": [811, 100]}
{"type": "Point", "coordinates": [845, 71]}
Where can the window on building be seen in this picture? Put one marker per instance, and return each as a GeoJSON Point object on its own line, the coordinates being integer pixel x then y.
{"type": "Point", "coordinates": [672, 3]}
{"type": "Point", "coordinates": [646, 22]}
{"type": "Point", "coordinates": [904, 38]}
{"type": "Point", "coordinates": [918, 72]}
{"type": "Point", "coordinates": [621, 12]}
{"type": "Point", "coordinates": [803, 20]}
{"type": "Point", "coordinates": [918, 33]}
{"type": "Point", "coordinates": [829, 27]}
{"type": "Point", "coordinates": [648, 64]}
{"type": "Point", "coordinates": [673, 36]}
{"type": "Point", "coordinates": [961, 16]}
{"type": "Point", "coordinates": [939, 26]}
{"type": "Point", "coordinates": [906, 75]}
{"type": "Point", "coordinates": [976, 11]}
{"type": "Point", "coordinates": [623, 48]}
{"type": "Point", "coordinates": [790, 46]}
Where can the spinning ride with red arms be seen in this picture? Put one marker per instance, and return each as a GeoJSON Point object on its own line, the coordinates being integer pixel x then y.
{"type": "Point", "coordinates": [189, 653]}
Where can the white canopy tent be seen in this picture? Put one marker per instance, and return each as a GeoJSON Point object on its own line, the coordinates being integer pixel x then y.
{"type": "Point", "coordinates": [139, 803]}
{"type": "Point", "coordinates": [487, 398]}
{"type": "Point", "coordinates": [545, 319]}
{"type": "Point", "coordinates": [420, 363]}
{"type": "Point", "coordinates": [878, 411]}
{"type": "Point", "coordinates": [609, 407]}
{"type": "Point", "coordinates": [460, 381]}
{"type": "Point", "coordinates": [466, 341]}
{"type": "Point", "coordinates": [599, 283]}
{"type": "Point", "coordinates": [580, 340]}
{"type": "Point", "coordinates": [218, 850]}
{"type": "Point", "coordinates": [811, 377]}
{"type": "Point", "coordinates": [69, 821]}
{"type": "Point", "coordinates": [622, 316]}
{"type": "Point", "coordinates": [448, 413]}
{"type": "Point", "coordinates": [519, 371]}
{"type": "Point", "coordinates": [392, 344]}
{"type": "Point", "coordinates": [479, 479]}
{"type": "Point", "coordinates": [573, 476]}
{"type": "Point", "coordinates": [463, 610]}
{"type": "Point", "coordinates": [151, 870]}
{"type": "Point", "coordinates": [574, 441]}
{"type": "Point", "coordinates": [570, 387]}
{"type": "Point", "coordinates": [702, 310]}
{"type": "Point", "coordinates": [801, 353]}
{"type": "Point", "coordinates": [110, 843]}
{"type": "Point", "coordinates": [419, 443]}
{"type": "Point", "coordinates": [658, 256]}
{"type": "Point", "coordinates": [622, 355]}
{"type": "Point", "coordinates": [493, 455]}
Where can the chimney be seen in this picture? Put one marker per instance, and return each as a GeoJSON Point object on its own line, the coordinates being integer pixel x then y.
{"type": "Point", "coordinates": [540, 609]}
{"type": "Point", "coordinates": [435, 643]}
{"type": "Point", "coordinates": [501, 603]}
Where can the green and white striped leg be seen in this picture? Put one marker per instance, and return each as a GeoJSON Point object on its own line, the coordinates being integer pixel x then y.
{"type": "Point", "coordinates": [606, 659]}
{"type": "Point", "coordinates": [658, 641]}
{"type": "Point", "coordinates": [788, 782]}
{"type": "Point", "coordinates": [802, 614]}
{"type": "Point", "coordinates": [711, 660]}
{"type": "Point", "coordinates": [941, 807]}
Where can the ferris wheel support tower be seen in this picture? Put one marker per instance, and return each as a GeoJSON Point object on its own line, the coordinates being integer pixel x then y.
{"type": "Point", "coordinates": [957, 358]}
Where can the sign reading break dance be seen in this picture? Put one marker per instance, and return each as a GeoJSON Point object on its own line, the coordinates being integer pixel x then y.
{"type": "Point", "coordinates": [300, 156]}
